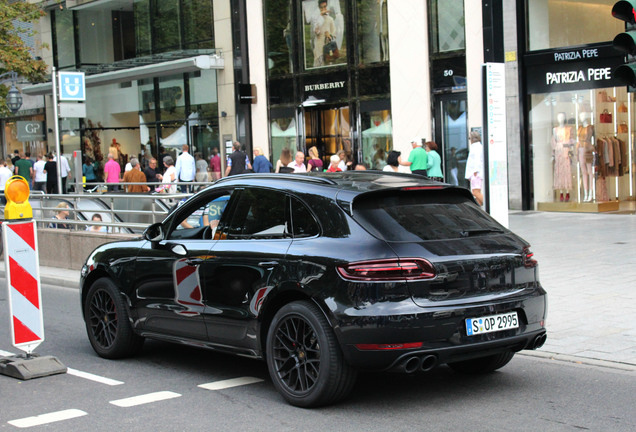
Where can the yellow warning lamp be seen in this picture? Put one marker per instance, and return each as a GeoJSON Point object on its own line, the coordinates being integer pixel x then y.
{"type": "Point", "coordinates": [16, 190]}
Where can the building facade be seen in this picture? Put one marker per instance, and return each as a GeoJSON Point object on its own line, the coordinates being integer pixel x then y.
{"type": "Point", "coordinates": [363, 76]}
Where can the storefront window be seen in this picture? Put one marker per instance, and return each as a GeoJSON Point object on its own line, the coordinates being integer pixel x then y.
{"type": "Point", "coordinates": [373, 31]}
{"type": "Point", "coordinates": [26, 134]}
{"type": "Point", "coordinates": [324, 35]}
{"type": "Point", "coordinates": [582, 149]}
{"type": "Point", "coordinates": [283, 132]}
{"type": "Point", "coordinates": [377, 138]}
{"type": "Point", "coordinates": [447, 25]}
{"type": "Point", "coordinates": [561, 23]}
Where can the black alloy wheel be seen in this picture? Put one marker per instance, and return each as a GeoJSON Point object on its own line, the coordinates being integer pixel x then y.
{"type": "Point", "coordinates": [107, 323]}
{"type": "Point", "coordinates": [304, 359]}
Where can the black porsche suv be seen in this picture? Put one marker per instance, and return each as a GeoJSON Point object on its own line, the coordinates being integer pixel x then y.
{"type": "Point", "coordinates": [322, 275]}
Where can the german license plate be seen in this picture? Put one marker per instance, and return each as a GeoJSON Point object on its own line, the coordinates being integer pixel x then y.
{"type": "Point", "coordinates": [492, 323]}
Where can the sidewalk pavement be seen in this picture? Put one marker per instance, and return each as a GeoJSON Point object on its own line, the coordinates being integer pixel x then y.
{"type": "Point", "coordinates": [587, 264]}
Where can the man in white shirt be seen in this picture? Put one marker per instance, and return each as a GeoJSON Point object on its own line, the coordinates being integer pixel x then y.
{"type": "Point", "coordinates": [298, 164]}
{"type": "Point", "coordinates": [475, 166]}
{"type": "Point", "coordinates": [39, 182]}
{"type": "Point", "coordinates": [186, 167]}
{"type": "Point", "coordinates": [5, 174]}
{"type": "Point", "coordinates": [65, 170]}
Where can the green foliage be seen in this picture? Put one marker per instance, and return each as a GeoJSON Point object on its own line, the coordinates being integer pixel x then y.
{"type": "Point", "coordinates": [14, 55]}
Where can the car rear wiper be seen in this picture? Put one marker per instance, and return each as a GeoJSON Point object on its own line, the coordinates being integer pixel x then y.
{"type": "Point", "coordinates": [472, 232]}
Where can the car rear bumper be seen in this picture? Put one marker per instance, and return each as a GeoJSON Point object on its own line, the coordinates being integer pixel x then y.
{"type": "Point", "coordinates": [440, 335]}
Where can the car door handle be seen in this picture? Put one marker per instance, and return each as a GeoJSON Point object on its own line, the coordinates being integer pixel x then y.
{"type": "Point", "coordinates": [268, 264]}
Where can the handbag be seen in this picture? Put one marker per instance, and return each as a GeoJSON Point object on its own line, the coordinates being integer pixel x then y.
{"type": "Point", "coordinates": [605, 117]}
{"type": "Point", "coordinates": [622, 128]}
{"type": "Point", "coordinates": [330, 50]}
{"type": "Point", "coordinates": [622, 108]}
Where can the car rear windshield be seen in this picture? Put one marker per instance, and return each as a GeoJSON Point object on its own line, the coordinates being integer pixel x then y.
{"type": "Point", "coordinates": [422, 215]}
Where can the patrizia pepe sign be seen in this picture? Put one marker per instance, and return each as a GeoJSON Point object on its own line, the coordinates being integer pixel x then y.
{"type": "Point", "coordinates": [572, 69]}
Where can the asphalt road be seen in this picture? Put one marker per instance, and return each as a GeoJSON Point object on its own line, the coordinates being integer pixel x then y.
{"type": "Point", "coordinates": [529, 394]}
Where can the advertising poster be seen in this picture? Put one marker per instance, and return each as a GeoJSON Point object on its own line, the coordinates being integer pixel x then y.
{"type": "Point", "coordinates": [324, 33]}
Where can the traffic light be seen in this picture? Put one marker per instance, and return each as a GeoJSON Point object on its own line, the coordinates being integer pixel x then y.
{"type": "Point", "coordinates": [626, 42]}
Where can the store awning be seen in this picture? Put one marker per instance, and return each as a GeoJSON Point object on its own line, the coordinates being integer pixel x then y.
{"type": "Point", "coordinates": [172, 67]}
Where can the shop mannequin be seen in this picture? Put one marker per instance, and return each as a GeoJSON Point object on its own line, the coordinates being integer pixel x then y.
{"type": "Point", "coordinates": [585, 153]}
{"type": "Point", "coordinates": [562, 143]}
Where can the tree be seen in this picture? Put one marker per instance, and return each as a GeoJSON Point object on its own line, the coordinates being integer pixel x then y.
{"type": "Point", "coordinates": [15, 55]}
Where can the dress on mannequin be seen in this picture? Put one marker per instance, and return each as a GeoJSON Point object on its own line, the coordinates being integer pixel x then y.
{"type": "Point", "coordinates": [585, 148]}
{"type": "Point", "coordinates": [562, 142]}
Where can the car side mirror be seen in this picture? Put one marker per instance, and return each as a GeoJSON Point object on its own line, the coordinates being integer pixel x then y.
{"type": "Point", "coordinates": [154, 232]}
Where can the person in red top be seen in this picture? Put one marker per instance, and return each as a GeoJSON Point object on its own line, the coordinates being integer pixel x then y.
{"type": "Point", "coordinates": [215, 164]}
{"type": "Point", "coordinates": [333, 164]}
{"type": "Point", "coordinates": [112, 170]}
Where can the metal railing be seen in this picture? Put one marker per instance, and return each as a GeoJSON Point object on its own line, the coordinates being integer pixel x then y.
{"type": "Point", "coordinates": [121, 212]}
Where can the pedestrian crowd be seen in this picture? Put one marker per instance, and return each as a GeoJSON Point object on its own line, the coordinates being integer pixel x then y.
{"type": "Point", "coordinates": [170, 174]}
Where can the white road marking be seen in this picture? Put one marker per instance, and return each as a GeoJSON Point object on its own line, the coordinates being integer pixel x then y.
{"type": "Point", "coordinates": [47, 418]}
{"type": "Point", "coordinates": [92, 377]}
{"type": "Point", "coordinates": [144, 399]}
{"type": "Point", "coordinates": [234, 382]}
{"type": "Point", "coordinates": [6, 353]}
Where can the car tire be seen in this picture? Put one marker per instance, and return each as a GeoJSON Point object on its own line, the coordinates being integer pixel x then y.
{"type": "Point", "coordinates": [107, 322]}
{"type": "Point", "coordinates": [304, 359]}
{"type": "Point", "coordinates": [483, 364]}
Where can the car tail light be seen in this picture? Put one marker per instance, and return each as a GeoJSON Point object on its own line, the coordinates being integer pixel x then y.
{"type": "Point", "coordinates": [410, 188]}
{"type": "Point", "coordinates": [528, 261]}
{"type": "Point", "coordinates": [395, 346]}
{"type": "Point", "coordinates": [388, 270]}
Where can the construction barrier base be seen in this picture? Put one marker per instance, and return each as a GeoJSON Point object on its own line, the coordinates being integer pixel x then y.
{"type": "Point", "coordinates": [26, 367]}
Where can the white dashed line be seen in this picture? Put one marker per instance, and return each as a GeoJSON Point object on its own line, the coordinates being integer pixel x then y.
{"type": "Point", "coordinates": [234, 382]}
{"type": "Point", "coordinates": [47, 418]}
{"type": "Point", "coordinates": [92, 377]}
{"type": "Point", "coordinates": [144, 399]}
{"type": "Point", "coordinates": [6, 354]}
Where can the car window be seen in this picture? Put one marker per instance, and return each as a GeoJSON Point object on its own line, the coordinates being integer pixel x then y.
{"type": "Point", "coordinates": [259, 213]}
{"type": "Point", "coordinates": [193, 222]}
{"type": "Point", "coordinates": [303, 221]}
{"type": "Point", "coordinates": [423, 215]}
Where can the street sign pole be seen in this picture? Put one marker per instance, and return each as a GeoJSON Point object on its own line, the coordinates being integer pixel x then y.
{"type": "Point", "coordinates": [56, 130]}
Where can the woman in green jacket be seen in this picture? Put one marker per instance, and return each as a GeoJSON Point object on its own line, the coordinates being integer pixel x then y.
{"type": "Point", "coordinates": [434, 164]}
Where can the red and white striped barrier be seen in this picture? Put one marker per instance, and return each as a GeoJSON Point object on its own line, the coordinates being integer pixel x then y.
{"type": "Point", "coordinates": [23, 280]}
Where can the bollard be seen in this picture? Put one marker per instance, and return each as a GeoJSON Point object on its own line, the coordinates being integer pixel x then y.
{"type": "Point", "coordinates": [22, 266]}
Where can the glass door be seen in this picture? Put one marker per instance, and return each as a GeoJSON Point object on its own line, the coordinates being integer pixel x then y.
{"type": "Point", "coordinates": [451, 135]}
{"type": "Point", "coordinates": [329, 130]}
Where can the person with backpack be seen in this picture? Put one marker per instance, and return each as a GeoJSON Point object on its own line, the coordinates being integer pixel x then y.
{"type": "Point", "coordinates": [237, 162]}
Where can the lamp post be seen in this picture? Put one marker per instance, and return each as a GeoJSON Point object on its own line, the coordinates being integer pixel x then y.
{"type": "Point", "coordinates": [14, 97]}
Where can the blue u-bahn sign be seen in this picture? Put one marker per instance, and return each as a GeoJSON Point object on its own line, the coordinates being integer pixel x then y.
{"type": "Point", "coordinates": [72, 86]}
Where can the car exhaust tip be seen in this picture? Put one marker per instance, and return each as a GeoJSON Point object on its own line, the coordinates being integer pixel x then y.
{"type": "Point", "coordinates": [428, 363]}
{"type": "Point", "coordinates": [412, 364]}
{"type": "Point", "coordinates": [539, 341]}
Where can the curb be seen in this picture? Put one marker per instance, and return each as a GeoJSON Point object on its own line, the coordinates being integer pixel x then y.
{"type": "Point", "coordinates": [628, 367]}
